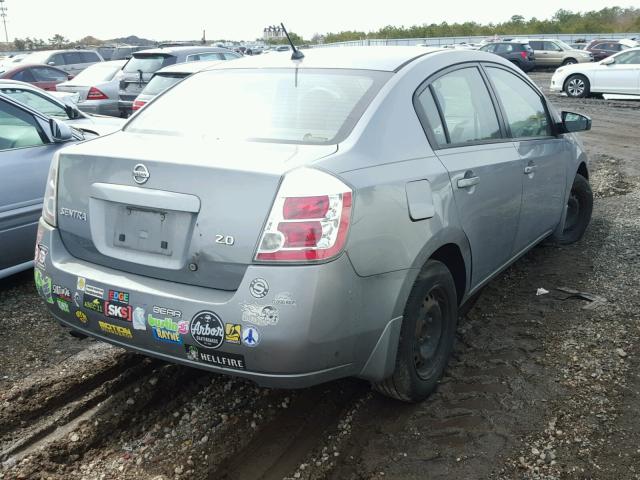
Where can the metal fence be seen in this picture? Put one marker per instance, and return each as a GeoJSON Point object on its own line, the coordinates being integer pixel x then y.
{"type": "Point", "coordinates": [438, 41]}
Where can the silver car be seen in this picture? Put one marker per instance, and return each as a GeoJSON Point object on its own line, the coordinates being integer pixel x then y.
{"type": "Point", "coordinates": [60, 107]}
{"type": "Point", "coordinates": [97, 88]}
{"type": "Point", "coordinates": [167, 77]}
{"type": "Point", "coordinates": [28, 140]}
{"type": "Point", "coordinates": [71, 61]}
{"type": "Point", "coordinates": [141, 67]}
{"type": "Point", "coordinates": [311, 219]}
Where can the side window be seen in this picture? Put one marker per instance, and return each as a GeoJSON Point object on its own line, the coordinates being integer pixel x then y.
{"type": "Point", "coordinates": [56, 59]}
{"type": "Point", "coordinates": [37, 102]}
{"type": "Point", "coordinates": [205, 56]}
{"type": "Point", "coordinates": [46, 74]}
{"type": "Point", "coordinates": [467, 110]}
{"type": "Point", "coordinates": [428, 105]}
{"type": "Point", "coordinates": [551, 47]}
{"type": "Point", "coordinates": [18, 128]}
{"type": "Point", "coordinates": [524, 109]}
{"type": "Point", "coordinates": [536, 45]}
{"type": "Point", "coordinates": [628, 58]}
{"type": "Point", "coordinates": [24, 76]}
{"type": "Point", "coordinates": [72, 58]}
{"type": "Point", "coordinates": [89, 57]}
{"type": "Point", "coordinates": [230, 56]}
{"type": "Point", "coordinates": [489, 48]}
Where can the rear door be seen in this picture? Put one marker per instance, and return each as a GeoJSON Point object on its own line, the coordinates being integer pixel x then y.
{"type": "Point", "coordinates": [25, 155]}
{"type": "Point", "coordinates": [622, 77]}
{"type": "Point", "coordinates": [47, 78]}
{"type": "Point", "coordinates": [544, 157]}
{"type": "Point", "coordinates": [467, 134]}
{"type": "Point", "coordinates": [542, 56]}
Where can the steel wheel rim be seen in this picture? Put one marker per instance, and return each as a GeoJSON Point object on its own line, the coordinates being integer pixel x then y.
{"type": "Point", "coordinates": [429, 331]}
{"type": "Point", "coordinates": [575, 87]}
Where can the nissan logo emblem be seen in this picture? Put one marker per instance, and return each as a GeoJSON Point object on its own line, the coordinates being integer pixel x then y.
{"type": "Point", "coordinates": [140, 174]}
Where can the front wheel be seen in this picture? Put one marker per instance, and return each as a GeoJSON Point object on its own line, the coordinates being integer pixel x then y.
{"type": "Point", "coordinates": [579, 209]}
{"type": "Point", "coordinates": [426, 336]}
{"type": "Point", "coordinates": [569, 61]}
{"type": "Point", "coordinates": [577, 86]}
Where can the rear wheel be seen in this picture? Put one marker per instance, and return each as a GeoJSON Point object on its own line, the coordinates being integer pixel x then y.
{"type": "Point", "coordinates": [579, 208]}
{"type": "Point", "coordinates": [577, 86]}
{"type": "Point", "coordinates": [426, 336]}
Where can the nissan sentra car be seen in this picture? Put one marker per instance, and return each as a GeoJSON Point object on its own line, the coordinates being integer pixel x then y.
{"type": "Point", "coordinates": [311, 219]}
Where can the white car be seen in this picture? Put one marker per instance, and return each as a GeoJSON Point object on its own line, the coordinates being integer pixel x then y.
{"type": "Point", "coordinates": [618, 74]}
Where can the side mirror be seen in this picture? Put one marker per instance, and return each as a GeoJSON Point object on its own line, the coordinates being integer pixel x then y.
{"type": "Point", "coordinates": [60, 131]}
{"type": "Point", "coordinates": [608, 61]}
{"type": "Point", "coordinates": [574, 122]}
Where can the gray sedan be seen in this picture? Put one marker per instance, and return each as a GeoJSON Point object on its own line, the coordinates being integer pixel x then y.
{"type": "Point", "coordinates": [28, 140]}
{"type": "Point", "coordinates": [311, 219]}
{"type": "Point", "coordinates": [97, 88]}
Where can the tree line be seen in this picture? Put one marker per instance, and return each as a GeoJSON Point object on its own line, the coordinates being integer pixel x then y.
{"type": "Point", "coordinates": [607, 20]}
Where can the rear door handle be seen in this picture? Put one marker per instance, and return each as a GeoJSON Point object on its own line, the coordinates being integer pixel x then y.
{"type": "Point", "coordinates": [468, 182]}
{"type": "Point", "coordinates": [529, 169]}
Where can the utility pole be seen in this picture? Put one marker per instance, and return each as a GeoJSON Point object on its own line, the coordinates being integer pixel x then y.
{"type": "Point", "coordinates": [3, 14]}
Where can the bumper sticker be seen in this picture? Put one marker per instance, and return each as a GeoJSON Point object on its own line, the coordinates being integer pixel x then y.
{"type": "Point", "coordinates": [95, 291]}
{"type": "Point", "coordinates": [118, 311]}
{"type": "Point", "coordinates": [115, 329]}
{"type": "Point", "coordinates": [93, 303]}
{"type": "Point", "coordinates": [262, 315]}
{"type": "Point", "coordinates": [232, 333]}
{"type": "Point", "coordinates": [63, 305]}
{"type": "Point", "coordinates": [250, 336]}
{"type": "Point", "coordinates": [43, 285]}
{"type": "Point", "coordinates": [139, 321]}
{"type": "Point", "coordinates": [81, 283]}
{"type": "Point", "coordinates": [166, 329]}
{"type": "Point", "coordinates": [207, 330]}
{"type": "Point", "coordinates": [284, 298]}
{"type": "Point", "coordinates": [259, 288]}
{"type": "Point", "coordinates": [80, 315]}
{"type": "Point", "coordinates": [218, 359]}
{"type": "Point", "coordinates": [41, 256]}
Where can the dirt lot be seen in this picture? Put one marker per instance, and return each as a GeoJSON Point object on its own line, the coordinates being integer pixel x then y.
{"type": "Point", "coordinates": [540, 387]}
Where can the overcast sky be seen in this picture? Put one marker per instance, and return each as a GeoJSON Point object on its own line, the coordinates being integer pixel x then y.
{"type": "Point", "coordinates": [237, 20]}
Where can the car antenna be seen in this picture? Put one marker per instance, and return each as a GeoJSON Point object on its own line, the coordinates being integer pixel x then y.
{"type": "Point", "coordinates": [297, 54]}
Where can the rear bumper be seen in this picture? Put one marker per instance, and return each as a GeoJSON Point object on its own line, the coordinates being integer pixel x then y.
{"type": "Point", "coordinates": [322, 322]}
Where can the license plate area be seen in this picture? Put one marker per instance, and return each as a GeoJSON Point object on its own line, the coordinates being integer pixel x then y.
{"type": "Point", "coordinates": [146, 230]}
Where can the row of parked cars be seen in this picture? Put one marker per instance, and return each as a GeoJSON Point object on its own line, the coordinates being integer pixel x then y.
{"type": "Point", "coordinates": [105, 87]}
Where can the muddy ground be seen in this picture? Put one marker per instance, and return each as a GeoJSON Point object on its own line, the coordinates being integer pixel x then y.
{"type": "Point", "coordinates": [539, 387]}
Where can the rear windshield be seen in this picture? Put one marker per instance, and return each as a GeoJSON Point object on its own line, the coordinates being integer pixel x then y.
{"type": "Point", "coordinates": [159, 83]}
{"type": "Point", "coordinates": [100, 72]}
{"type": "Point", "coordinates": [309, 106]}
{"type": "Point", "coordinates": [148, 63]}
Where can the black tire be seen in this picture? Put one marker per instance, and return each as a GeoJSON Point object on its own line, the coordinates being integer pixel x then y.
{"type": "Point", "coordinates": [579, 209]}
{"type": "Point", "coordinates": [577, 86]}
{"type": "Point", "coordinates": [426, 336]}
{"type": "Point", "coordinates": [569, 61]}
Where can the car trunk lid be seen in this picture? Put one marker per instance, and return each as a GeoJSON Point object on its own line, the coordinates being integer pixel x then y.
{"type": "Point", "coordinates": [193, 213]}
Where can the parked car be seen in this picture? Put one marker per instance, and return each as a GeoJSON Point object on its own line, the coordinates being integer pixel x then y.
{"type": "Point", "coordinates": [119, 52]}
{"type": "Point", "coordinates": [167, 77]}
{"type": "Point", "coordinates": [307, 221]}
{"type": "Point", "coordinates": [42, 76]}
{"type": "Point", "coordinates": [59, 108]}
{"type": "Point", "coordinates": [11, 61]}
{"type": "Point", "coordinates": [71, 61]}
{"type": "Point", "coordinates": [553, 53]}
{"type": "Point", "coordinates": [141, 67]}
{"type": "Point", "coordinates": [602, 49]}
{"type": "Point", "coordinates": [519, 53]}
{"type": "Point", "coordinates": [617, 74]}
{"type": "Point", "coordinates": [28, 140]}
{"type": "Point", "coordinates": [97, 88]}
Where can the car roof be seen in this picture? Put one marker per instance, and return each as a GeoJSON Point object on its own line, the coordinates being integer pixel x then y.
{"type": "Point", "coordinates": [25, 64]}
{"type": "Point", "coordinates": [385, 58]}
{"type": "Point", "coordinates": [189, 67]}
{"type": "Point", "coordinates": [190, 49]}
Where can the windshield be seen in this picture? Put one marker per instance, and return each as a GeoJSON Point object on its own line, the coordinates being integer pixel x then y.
{"type": "Point", "coordinates": [310, 106]}
{"type": "Point", "coordinates": [37, 57]}
{"type": "Point", "coordinates": [159, 83]}
{"type": "Point", "coordinates": [564, 46]}
{"type": "Point", "coordinates": [100, 72]}
{"type": "Point", "coordinates": [148, 63]}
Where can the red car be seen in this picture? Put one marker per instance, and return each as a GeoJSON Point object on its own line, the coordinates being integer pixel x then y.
{"type": "Point", "coordinates": [42, 76]}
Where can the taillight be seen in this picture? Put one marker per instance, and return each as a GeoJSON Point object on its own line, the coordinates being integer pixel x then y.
{"type": "Point", "coordinates": [49, 205]}
{"type": "Point", "coordinates": [138, 104]}
{"type": "Point", "coordinates": [523, 55]}
{"type": "Point", "coordinates": [309, 220]}
{"type": "Point", "coordinates": [96, 94]}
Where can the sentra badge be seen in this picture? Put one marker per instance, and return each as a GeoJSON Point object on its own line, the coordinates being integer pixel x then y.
{"type": "Point", "coordinates": [75, 214]}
